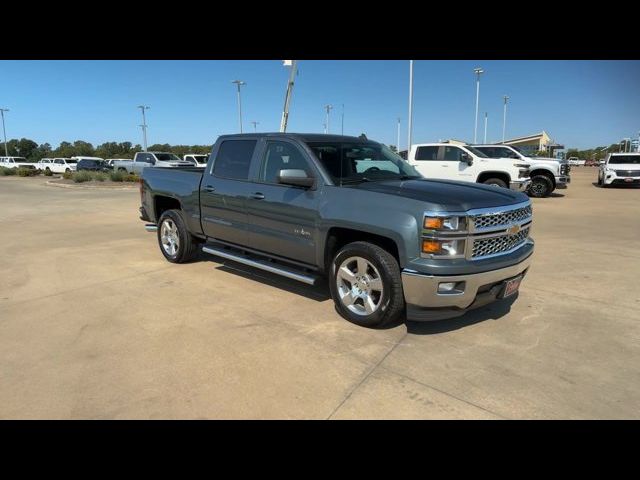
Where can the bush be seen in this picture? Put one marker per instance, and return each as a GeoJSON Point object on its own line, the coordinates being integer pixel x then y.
{"type": "Point", "coordinates": [5, 172]}
{"type": "Point", "coordinates": [82, 176]}
{"type": "Point", "coordinates": [99, 176]}
{"type": "Point", "coordinates": [48, 173]}
{"type": "Point", "coordinates": [27, 172]}
{"type": "Point", "coordinates": [67, 175]}
{"type": "Point", "coordinates": [131, 177]}
{"type": "Point", "coordinates": [117, 176]}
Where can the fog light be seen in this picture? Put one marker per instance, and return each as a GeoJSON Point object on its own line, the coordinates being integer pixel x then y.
{"type": "Point", "coordinates": [451, 287]}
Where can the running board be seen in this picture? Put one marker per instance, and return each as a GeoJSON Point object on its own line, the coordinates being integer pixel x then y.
{"type": "Point", "coordinates": [150, 227]}
{"type": "Point", "coordinates": [262, 265]}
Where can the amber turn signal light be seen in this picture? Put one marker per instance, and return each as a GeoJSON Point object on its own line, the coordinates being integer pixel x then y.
{"type": "Point", "coordinates": [433, 223]}
{"type": "Point", "coordinates": [431, 246]}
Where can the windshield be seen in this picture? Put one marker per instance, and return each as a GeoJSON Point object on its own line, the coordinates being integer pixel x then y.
{"type": "Point", "coordinates": [361, 162]}
{"type": "Point", "coordinates": [476, 152]}
{"type": "Point", "coordinates": [72, 161]}
{"type": "Point", "coordinates": [617, 159]}
{"type": "Point", "coordinates": [167, 157]}
{"type": "Point", "coordinates": [200, 158]}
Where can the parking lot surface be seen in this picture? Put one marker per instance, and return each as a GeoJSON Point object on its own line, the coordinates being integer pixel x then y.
{"type": "Point", "coordinates": [94, 323]}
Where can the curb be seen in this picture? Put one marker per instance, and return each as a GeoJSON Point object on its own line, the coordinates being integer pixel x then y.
{"type": "Point", "coordinates": [50, 183]}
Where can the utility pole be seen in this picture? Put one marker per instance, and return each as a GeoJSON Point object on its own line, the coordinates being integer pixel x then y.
{"type": "Point", "coordinates": [144, 125]}
{"type": "Point", "coordinates": [504, 118]}
{"type": "Point", "coordinates": [239, 83]}
{"type": "Point", "coordinates": [398, 142]}
{"type": "Point", "coordinates": [478, 71]}
{"type": "Point", "coordinates": [328, 109]}
{"type": "Point", "coordinates": [254, 126]}
{"type": "Point", "coordinates": [4, 131]}
{"type": "Point", "coordinates": [485, 127]}
{"type": "Point", "coordinates": [342, 123]}
{"type": "Point", "coordinates": [410, 123]}
{"type": "Point", "coordinates": [287, 98]}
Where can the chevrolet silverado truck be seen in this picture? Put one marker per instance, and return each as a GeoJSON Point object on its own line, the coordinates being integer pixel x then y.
{"type": "Point", "coordinates": [349, 210]}
{"type": "Point", "coordinates": [546, 174]}
{"type": "Point", "coordinates": [142, 160]}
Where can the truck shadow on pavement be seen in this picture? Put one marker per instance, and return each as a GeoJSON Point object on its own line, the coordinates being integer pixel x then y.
{"type": "Point", "coordinates": [493, 311]}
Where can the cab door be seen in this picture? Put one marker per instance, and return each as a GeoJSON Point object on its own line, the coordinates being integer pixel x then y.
{"type": "Point", "coordinates": [426, 161]}
{"type": "Point", "coordinates": [456, 167]}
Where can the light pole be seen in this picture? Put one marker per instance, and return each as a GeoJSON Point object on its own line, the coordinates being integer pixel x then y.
{"type": "Point", "coordinates": [239, 83]}
{"type": "Point", "coordinates": [485, 128]}
{"type": "Point", "coordinates": [478, 71]}
{"type": "Point", "coordinates": [398, 142]}
{"type": "Point", "coordinates": [324, 126]}
{"type": "Point", "coordinates": [328, 109]}
{"type": "Point", "coordinates": [504, 118]}
{"type": "Point", "coordinates": [254, 126]}
{"type": "Point", "coordinates": [2, 110]}
{"type": "Point", "coordinates": [144, 125]}
{"type": "Point", "coordinates": [342, 122]}
{"type": "Point", "coordinates": [289, 93]}
{"type": "Point", "coordinates": [410, 123]}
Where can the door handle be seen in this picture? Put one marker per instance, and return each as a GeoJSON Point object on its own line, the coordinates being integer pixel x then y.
{"type": "Point", "coordinates": [209, 188]}
{"type": "Point", "coordinates": [257, 196]}
{"type": "Point", "coordinates": [444, 165]}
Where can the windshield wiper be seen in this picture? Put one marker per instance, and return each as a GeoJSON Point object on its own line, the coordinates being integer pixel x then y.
{"type": "Point", "coordinates": [354, 180]}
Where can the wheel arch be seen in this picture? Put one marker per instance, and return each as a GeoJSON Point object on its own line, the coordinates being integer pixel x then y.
{"type": "Point", "coordinates": [494, 174]}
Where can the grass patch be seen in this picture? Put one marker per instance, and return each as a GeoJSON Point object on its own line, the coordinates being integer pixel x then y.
{"type": "Point", "coordinates": [82, 176]}
{"type": "Point", "coordinates": [48, 173]}
{"type": "Point", "coordinates": [117, 176]}
{"type": "Point", "coordinates": [6, 172]}
{"type": "Point", "coordinates": [27, 172]}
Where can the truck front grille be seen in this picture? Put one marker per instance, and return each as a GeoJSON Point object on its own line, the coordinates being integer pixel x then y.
{"type": "Point", "coordinates": [489, 220]}
{"type": "Point", "coordinates": [483, 247]}
{"type": "Point", "coordinates": [628, 173]}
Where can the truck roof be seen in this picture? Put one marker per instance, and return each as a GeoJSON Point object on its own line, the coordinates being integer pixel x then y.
{"type": "Point", "coordinates": [306, 137]}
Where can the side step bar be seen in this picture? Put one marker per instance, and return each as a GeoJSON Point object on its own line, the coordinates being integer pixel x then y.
{"type": "Point", "coordinates": [262, 264]}
{"type": "Point", "coordinates": [150, 227]}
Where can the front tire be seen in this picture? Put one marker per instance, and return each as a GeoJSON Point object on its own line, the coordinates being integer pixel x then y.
{"type": "Point", "coordinates": [366, 285]}
{"type": "Point", "coordinates": [496, 182]}
{"type": "Point", "coordinates": [176, 243]}
{"type": "Point", "coordinates": [540, 187]}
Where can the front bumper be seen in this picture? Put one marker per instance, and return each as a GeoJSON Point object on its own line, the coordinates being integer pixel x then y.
{"type": "Point", "coordinates": [613, 179]}
{"type": "Point", "coordinates": [425, 303]}
{"type": "Point", "coordinates": [520, 186]}
{"type": "Point", "coordinates": [563, 181]}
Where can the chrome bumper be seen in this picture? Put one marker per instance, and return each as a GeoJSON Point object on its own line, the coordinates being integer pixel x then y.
{"type": "Point", "coordinates": [562, 181]}
{"type": "Point", "coordinates": [521, 186]}
{"type": "Point", "coordinates": [421, 290]}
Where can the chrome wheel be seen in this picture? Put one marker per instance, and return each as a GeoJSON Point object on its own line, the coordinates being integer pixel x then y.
{"type": "Point", "coordinates": [169, 237]}
{"type": "Point", "coordinates": [359, 286]}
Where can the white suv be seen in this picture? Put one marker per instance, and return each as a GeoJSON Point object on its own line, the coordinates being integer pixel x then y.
{"type": "Point", "coordinates": [620, 168]}
{"type": "Point", "coordinates": [62, 165]}
{"type": "Point", "coordinates": [464, 163]}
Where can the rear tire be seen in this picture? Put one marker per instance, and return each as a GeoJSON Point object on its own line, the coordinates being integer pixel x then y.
{"type": "Point", "coordinates": [540, 187]}
{"type": "Point", "coordinates": [366, 285]}
{"type": "Point", "coordinates": [496, 182]}
{"type": "Point", "coordinates": [121, 169]}
{"type": "Point", "coordinates": [176, 243]}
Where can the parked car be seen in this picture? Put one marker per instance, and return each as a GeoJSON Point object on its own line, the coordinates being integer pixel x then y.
{"type": "Point", "coordinates": [62, 165]}
{"type": "Point", "coordinates": [307, 206]}
{"type": "Point", "coordinates": [461, 162]}
{"type": "Point", "coordinates": [546, 174]}
{"type": "Point", "coordinates": [16, 162]}
{"type": "Point", "coordinates": [93, 165]}
{"type": "Point", "coordinates": [575, 161]}
{"type": "Point", "coordinates": [198, 160]}
{"type": "Point", "coordinates": [141, 160]}
{"type": "Point", "coordinates": [44, 164]}
{"type": "Point", "coordinates": [619, 169]}
{"type": "Point", "coordinates": [111, 161]}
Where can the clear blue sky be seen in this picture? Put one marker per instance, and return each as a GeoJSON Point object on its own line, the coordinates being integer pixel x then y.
{"type": "Point", "coordinates": [581, 104]}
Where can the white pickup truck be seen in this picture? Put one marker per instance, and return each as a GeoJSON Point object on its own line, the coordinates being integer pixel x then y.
{"type": "Point", "coordinates": [619, 169]}
{"type": "Point", "coordinates": [142, 160]}
{"type": "Point", "coordinates": [57, 165]}
{"type": "Point", "coordinates": [198, 159]}
{"type": "Point", "coordinates": [15, 162]}
{"type": "Point", "coordinates": [464, 163]}
{"type": "Point", "coordinates": [546, 174]}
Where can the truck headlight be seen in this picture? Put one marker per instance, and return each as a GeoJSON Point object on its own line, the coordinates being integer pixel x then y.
{"type": "Point", "coordinates": [445, 223]}
{"type": "Point", "coordinates": [446, 248]}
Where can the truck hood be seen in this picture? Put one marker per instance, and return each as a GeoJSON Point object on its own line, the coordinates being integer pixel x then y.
{"type": "Point", "coordinates": [547, 159]}
{"type": "Point", "coordinates": [448, 195]}
{"type": "Point", "coordinates": [623, 166]}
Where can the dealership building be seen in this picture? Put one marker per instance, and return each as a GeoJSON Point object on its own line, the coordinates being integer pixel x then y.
{"type": "Point", "coordinates": [535, 143]}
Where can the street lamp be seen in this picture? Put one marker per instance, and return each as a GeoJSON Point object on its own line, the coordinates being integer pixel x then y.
{"type": "Point", "coordinates": [504, 118]}
{"type": "Point", "coordinates": [328, 109]}
{"type": "Point", "coordinates": [485, 128]}
{"type": "Point", "coordinates": [239, 83]}
{"type": "Point", "coordinates": [342, 122]}
{"type": "Point", "coordinates": [410, 123]}
{"type": "Point", "coordinates": [144, 125]}
{"type": "Point", "coordinates": [2, 110]}
{"type": "Point", "coordinates": [398, 142]}
{"type": "Point", "coordinates": [478, 71]}
{"type": "Point", "coordinates": [254, 126]}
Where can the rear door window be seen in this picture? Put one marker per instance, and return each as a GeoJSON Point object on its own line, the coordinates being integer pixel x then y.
{"type": "Point", "coordinates": [427, 153]}
{"type": "Point", "coordinates": [234, 159]}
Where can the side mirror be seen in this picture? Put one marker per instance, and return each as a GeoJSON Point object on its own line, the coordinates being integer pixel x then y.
{"type": "Point", "coordinates": [297, 178]}
{"type": "Point", "coordinates": [467, 158]}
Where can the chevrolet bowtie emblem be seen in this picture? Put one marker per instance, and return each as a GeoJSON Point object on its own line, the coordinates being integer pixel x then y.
{"type": "Point", "coordinates": [513, 229]}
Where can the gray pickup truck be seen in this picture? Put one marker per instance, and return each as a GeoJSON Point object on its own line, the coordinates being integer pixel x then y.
{"type": "Point", "coordinates": [347, 209]}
